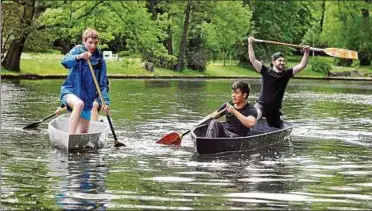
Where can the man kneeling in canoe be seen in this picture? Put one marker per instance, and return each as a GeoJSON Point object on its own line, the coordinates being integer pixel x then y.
{"type": "Point", "coordinates": [240, 115]}
{"type": "Point", "coordinates": [78, 90]}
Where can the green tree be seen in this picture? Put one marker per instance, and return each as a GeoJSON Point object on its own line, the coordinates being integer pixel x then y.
{"type": "Point", "coordinates": [66, 22]}
{"type": "Point", "coordinates": [18, 22]}
{"type": "Point", "coordinates": [284, 21]}
{"type": "Point", "coordinates": [126, 22]}
{"type": "Point", "coordinates": [226, 28]}
{"type": "Point", "coordinates": [348, 25]}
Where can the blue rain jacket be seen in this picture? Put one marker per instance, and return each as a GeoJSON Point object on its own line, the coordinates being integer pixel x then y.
{"type": "Point", "coordinates": [80, 81]}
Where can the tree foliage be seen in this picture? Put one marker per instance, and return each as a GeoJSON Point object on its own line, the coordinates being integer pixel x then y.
{"type": "Point", "coordinates": [178, 34]}
{"type": "Point", "coordinates": [348, 25]}
{"type": "Point", "coordinates": [284, 21]}
{"type": "Point", "coordinates": [224, 28]}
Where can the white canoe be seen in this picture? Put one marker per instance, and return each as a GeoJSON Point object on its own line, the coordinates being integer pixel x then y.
{"type": "Point", "coordinates": [59, 136]}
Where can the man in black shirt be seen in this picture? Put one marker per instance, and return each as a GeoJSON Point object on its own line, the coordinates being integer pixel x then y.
{"type": "Point", "coordinates": [240, 115]}
{"type": "Point", "coordinates": [274, 82]}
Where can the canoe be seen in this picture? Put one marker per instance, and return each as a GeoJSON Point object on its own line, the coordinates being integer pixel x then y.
{"type": "Point", "coordinates": [260, 136]}
{"type": "Point", "coordinates": [60, 138]}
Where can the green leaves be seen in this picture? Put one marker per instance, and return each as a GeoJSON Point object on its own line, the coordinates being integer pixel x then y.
{"type": "Point", "coordinates": [348, 26]}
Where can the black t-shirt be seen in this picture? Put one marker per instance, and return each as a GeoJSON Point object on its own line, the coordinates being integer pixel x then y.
{"type": "Point", "coordinates": [233, 124]}
{"type": "Point", "coordinates": [273, 86]}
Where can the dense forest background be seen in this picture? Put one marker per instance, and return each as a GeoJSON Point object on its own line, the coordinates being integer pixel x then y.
{"type": "Point", "coordinates": [179, 34]}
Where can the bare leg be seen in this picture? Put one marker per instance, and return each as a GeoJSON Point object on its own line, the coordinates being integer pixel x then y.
{"type": "Point", "coordinates": [94, 112]}
{"type": "Point", "coordinates": [77, 107]}
{"type": "Point", "coordinates": [83, 126]}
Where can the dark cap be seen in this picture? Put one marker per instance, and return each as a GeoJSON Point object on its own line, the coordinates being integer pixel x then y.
{"type": "Point", "coordinates": [276, 55]}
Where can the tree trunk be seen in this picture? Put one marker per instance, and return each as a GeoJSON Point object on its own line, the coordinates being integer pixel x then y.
{"type": "Point", "coordinates": [365, 59]}
{"type": "Point", "coordinates": [323, 16]}
{"type": "Point", "coordinates": [224, 57]}
{"type": "Point", "coordinates": [184, 37]}
{"type": "Point", "coordinates": [169, 42]}
{"type": "Point", "coordinates": [13, 56]}
{"type": "Point", "coordinates": [65, 45]}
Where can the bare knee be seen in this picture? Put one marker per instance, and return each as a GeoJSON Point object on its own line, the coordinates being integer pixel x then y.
{"type": "Point", "coordinates": [95, 106]}
{"type": "Point", "coordinates": [79, 105]}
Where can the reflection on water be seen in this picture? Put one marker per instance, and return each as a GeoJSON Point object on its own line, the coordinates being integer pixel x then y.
{"type": "Point", "coordinates": [325, 166]}
{"type": "Point", "coordinates": [84, 176]}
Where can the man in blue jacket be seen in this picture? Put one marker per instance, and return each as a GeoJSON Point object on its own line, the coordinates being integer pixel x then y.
{"type": "Point", "coordinates": [78, 91]}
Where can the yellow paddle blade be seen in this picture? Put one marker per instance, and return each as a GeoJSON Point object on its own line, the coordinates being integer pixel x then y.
{"type": "Point", "coordinates": [342, 53]}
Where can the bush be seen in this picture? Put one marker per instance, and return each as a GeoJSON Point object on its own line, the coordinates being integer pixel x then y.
{"type": "Point", "coordinates": [321, 67]}
{"type": "Point", "coordinates": [122, 54]}
{"type": "Point", "coordinates": [197, 59]}
{"type": "Point", "coordinates": [159, 59]}
{"type": "Point", "coordinates": [343, 62]}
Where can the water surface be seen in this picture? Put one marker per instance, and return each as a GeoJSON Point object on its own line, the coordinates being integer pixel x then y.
{"type": "Point", "coordinates": [325, 166]}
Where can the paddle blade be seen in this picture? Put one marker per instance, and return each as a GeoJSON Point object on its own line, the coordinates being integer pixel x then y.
{"type": "Point", "coordinates": [341, 53]}
{"type": "Point", "coordinates": [171, 139]}
{"type": "Point", "coordinates": [32, 125]}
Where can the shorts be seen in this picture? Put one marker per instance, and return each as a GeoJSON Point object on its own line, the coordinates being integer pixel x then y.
{"type": "Point", "coordinates": [85, 114]}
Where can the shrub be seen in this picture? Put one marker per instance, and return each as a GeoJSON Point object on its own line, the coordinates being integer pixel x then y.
{"type": "Point", "coordinates": [343, 62]}
{"type": "Point", "coordinates": [320, 66]}
{"type": "Point", "coordinates": [197, 59]}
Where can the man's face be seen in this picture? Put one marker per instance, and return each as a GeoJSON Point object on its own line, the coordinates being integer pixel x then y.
{"type": "Point", "coordinates": [279, 63]}
{"type": "Point", "coordinates": [91, 44]}
{"type": "Point", "coordinates": [237, 96]}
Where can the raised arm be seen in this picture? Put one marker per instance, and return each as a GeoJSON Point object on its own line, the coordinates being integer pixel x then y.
{"type": "Point", "coordinates": [304, 60]}
{"type": "Point", "coordinates": [252, 58]}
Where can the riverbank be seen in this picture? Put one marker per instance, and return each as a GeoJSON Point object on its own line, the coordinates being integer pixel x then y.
{"type": "Point", "coordinates": [118, 76]}
{"type": "Point", "coordinates": [48, 66]}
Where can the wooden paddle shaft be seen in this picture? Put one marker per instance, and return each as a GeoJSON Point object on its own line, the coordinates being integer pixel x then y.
{"type": "Point", "coordinates": [117, 143]}
{"type": "Point", "coordinates": [286, 44]}
{"type": "Point", "coordinates": [96, 83]}
{"type": "Point", "coordinates": [206, 120]}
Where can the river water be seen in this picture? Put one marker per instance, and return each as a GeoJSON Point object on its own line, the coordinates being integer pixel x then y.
{"type": "Point", "coordinates": [325, 166]}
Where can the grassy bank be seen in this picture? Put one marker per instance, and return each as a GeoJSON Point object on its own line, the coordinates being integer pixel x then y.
{"type": "Point", "coordinates": [50, 64]}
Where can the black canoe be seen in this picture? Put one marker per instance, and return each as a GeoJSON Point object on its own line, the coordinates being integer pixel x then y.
{"type": "Point", "coordinates": [260, 136]}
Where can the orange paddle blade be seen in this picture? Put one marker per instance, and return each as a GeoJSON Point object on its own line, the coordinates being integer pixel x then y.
{"type": "Point", "coordinates": [342, 53]}
{"type": "Point", "coordinates": [171, 139]}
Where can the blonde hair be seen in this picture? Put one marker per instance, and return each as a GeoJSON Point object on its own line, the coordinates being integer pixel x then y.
{"type": "Point", "coordinates": [89, 32]}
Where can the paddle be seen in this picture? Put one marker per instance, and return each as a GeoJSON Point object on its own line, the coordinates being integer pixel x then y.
{"type": "Point", "coordinates": [36, 124]}
{"type": "Point", "coordinates": [116, 142]}
{"type": "Point", "coordinates": [336, 52]}
{"type": "Point", "coordinates": [175, 138]}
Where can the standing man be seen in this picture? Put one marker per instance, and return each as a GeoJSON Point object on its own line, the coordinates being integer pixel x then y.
{"type": "Point", "coordinates": [240, 115]}
{"type": "Point", "coordinates": [79, 91]}
{"type": "Point", "coordinates": [274, 82]}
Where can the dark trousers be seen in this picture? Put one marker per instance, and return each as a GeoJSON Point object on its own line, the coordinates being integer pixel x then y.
{"type": "Point", "coordinates": [217, 129]}
{"type": "Point", "coordinates": [272, 115]}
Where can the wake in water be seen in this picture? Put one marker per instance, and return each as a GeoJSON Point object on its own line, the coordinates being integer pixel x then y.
{"type": "Point", "coordinates": [322, 130]}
